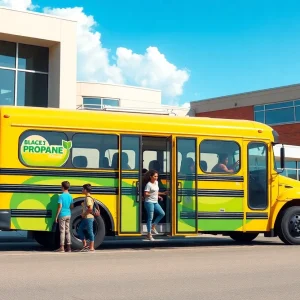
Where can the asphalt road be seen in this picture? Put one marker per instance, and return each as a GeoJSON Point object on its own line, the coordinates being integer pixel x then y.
{"type": "Point", "coordinates": [203, 268]}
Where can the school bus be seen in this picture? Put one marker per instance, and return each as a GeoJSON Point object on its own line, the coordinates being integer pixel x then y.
{"type": "Point", "coordinates": [40, 148]}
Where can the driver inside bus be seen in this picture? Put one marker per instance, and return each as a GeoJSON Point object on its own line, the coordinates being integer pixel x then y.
{"type": "Point", "coordinates": [222, 165]}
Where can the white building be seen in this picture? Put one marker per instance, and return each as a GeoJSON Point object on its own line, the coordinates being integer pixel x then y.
{"type": "Point", "coordinates": [38, 68]}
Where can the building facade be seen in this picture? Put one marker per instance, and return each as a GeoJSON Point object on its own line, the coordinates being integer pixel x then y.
{"type": "Point", "coordinates": [277, 107]}
{"type": "Point", "coordinates": [113, 97]}
{"type": "Point", "coordinates": [38, 55]}
{"type": "Point", "coordinates": [37, 60]}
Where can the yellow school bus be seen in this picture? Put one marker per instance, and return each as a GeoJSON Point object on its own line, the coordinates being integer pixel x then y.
{"type": "Point", "coordinates": [221, 174]}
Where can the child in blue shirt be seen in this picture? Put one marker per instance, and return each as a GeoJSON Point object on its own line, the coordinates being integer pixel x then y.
{"type": "Point", "coordinates": [63, 216]}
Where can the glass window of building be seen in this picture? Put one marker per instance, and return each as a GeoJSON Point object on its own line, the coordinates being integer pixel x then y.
{"type": "Point", "coordinates": [279, 105]}
{"type": "Point", "coordinates": [32, 89]}
{"type": "Point", "coordinates": [33, 58]}
{"type": "Point", "coordinates": [7, 54]}
{"type": "Point", "coordinates": [297, 113]}
{"type": "Point", "coordinates": [277, 116]}
{"type": "Point", "coordinates": [99, 103]}
{"type": "Point", "coordinates": [23, 74]}
{"type": "Point", "coordinates": [7, 87]}
{"type": "Point", "coordinates": [110, 102]}
{"type": "Point", "coordinates": [278, 113]}
{"type": "Point", "coordinates": [259, 116]}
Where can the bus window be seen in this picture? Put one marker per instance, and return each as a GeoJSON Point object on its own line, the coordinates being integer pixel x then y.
{"type": "Point", "coordinates": [215, 154]}
{"type": "Point", "coordinates": [257, 176]}
{"type": "Point", "coordinates": [90, 150]}
{"type": "Point", "coordinates": [148, 157]}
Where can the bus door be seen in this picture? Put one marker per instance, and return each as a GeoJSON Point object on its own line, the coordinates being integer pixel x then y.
{"type": "Point", "coordinates": [129, 185]}
{"type": "Point", "coordinates": [168, 184]}
{"type": "Point", "coordinates": [257, 190]}
{"type": "Point", "coordinates": [185, 171]}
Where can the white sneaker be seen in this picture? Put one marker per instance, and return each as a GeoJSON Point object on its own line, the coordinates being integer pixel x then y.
{"type": "Point", "coordinates": [150, 238]}
{"type": "Point", "coordinates": [153, 230]}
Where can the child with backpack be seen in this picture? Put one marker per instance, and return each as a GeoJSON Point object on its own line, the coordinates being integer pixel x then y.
{"type": "Point", "coordinates": [90, 210]}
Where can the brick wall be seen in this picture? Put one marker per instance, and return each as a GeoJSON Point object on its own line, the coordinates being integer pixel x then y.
{"type": "Point", "coordinates": [245, 113]}
{"type": "Point", "coordinates": [288, 134]}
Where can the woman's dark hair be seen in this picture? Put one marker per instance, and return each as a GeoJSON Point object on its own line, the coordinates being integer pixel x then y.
{"type": "Point", "coordinates": [147, 176]}
{"type": "Point", "coordinates": [222, 157]}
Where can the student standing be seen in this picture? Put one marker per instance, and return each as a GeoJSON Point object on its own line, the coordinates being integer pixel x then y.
{"type": "Point", "coordinates": [63, 216]}
{"type": "Point", "coordinates": [152, 194]}
{"type": "Point", "coordinates": [87, 221]}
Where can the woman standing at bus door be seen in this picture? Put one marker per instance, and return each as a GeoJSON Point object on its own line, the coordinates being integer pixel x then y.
{"type": "Point", "coordinates": [152, 194]}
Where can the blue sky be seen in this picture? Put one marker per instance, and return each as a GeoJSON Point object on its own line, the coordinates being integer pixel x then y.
{"type": "Point", "coordinates": [227, 46]}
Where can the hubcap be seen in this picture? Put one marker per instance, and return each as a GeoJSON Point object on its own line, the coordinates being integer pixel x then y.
{"type": "Point", "coordinates": [294, 226]}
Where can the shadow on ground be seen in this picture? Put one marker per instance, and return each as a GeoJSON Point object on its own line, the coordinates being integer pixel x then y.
{"type": "Point", "coordinates": [142, 244]}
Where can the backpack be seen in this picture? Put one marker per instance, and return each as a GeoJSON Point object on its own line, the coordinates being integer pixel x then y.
{"type": "Point", "coordinates": [96, 209]}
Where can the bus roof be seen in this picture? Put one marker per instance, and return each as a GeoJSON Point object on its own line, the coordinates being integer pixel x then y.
{"type": "Point", "coordinates": [86, 120]}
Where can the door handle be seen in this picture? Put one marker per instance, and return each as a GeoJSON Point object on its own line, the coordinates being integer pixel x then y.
{"type": "Point", "coordinates": [179, 187]}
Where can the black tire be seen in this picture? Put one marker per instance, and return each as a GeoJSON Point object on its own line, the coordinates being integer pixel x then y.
{"type": "Point", "coordinates": [99, 229]}
{"type": "Point", "coordinates": [49, 240]}
{"type": "Point", "coordinates": [289, 227]}
{"type": "Point", "coordinates": [243, 237]}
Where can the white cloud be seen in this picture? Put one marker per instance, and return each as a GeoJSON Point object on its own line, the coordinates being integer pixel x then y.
{"type": "Point", "coordinates": [151, 69]}
{"type": "Point", "coordinates": [18, 4]}
{"type": "Point", "coordinates": [93, 59]}
{"type": "Point", "coordinates": [186, 105]}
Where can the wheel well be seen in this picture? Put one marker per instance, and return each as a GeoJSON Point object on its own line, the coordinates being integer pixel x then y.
{"type": "Point", "coordinates": [105, 214]}
{"type": "Point", "coordinates": [295, 202]}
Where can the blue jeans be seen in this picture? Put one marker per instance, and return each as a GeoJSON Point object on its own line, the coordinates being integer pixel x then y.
{"type": "Point", "coordinates": [151, 208]}
{"type": "Point", "coordinates": [86, 224]}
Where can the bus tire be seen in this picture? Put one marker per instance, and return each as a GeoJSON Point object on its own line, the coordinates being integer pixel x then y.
{"type": "Point", "coordinates": [243, 237]}
{"type": "Point", "coordinates": [289, 227]}
{"type": "Point", "coordinates": [99, 229]}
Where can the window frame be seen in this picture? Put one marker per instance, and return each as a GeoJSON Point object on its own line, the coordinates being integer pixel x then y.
{"type": "Point", "coordinates": [101, 105]}
{"type": "Point", "coordinates": [264, 108]}
{"type": "Point", "coordinates": [223, 173]}
{"type": "Point", "coordinates": [281, 110]}
{"type": "Point", "coordinates": [101, 134]}
{"type": "Point", "coordinates": [37, 131]}
{"type": "Point", "coordinates": [248, 173]}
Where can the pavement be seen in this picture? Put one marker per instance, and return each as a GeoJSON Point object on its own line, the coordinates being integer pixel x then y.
{"type": "Point", "coordinates": [208, 268]}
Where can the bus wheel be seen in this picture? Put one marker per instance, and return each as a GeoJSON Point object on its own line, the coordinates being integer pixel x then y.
{"type": "Point", "coordinates": [99, 229]}
{"type": "Point", "coordinates": [49, 240]}
{"type": "Point", "coordinates": [289, 230]}
{"type": "Point", "coordinates": [243, 237]}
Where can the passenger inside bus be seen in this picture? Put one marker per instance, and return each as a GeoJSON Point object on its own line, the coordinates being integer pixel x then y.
{"type": "Point", "coordinates": [222, 165]}
{"type": "Point", "coordinates": [203, 165]}
{"type": "Point", "coordinates": [104, 163]}
{"type": "Point", "coordinates": [80, 162]}
{"type": "Point", "coordinates": [187, 166]}
{"type": "Point", "coordinates": [115, 161]}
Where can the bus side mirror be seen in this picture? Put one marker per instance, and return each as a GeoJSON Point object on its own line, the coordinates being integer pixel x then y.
{"type": "Point", "coordinates": [282, 157]}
